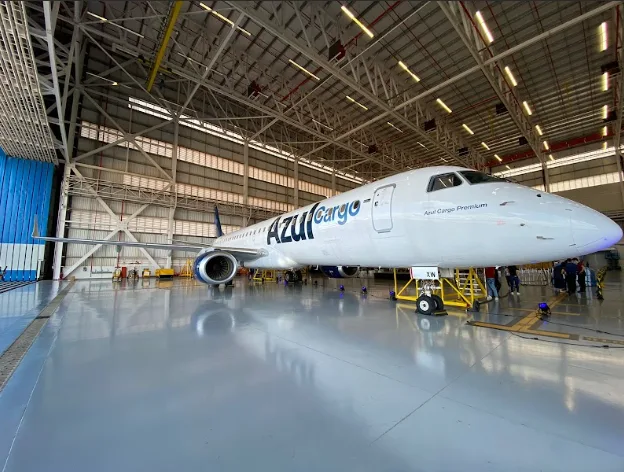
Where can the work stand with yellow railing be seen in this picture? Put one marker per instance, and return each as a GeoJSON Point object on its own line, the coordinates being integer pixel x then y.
{"type": "Point", "coordinates": [459, 288]}
{"type": "Point", "coordinates": [600, 275]}
{"type": "Point", "coordinates": [262, 276]}
{"type": "Point", "coordinates": [187, 269]}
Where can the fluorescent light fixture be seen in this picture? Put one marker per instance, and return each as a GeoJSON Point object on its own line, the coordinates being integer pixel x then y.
{"type": "Point", "coordinates": [357, 22]}
{"type": "Point", "coordinates": [605, 112]}
{"type": "Point", "coordinates": [421, 144]}
{"type": "Point", "coordinates": [602, 34]}
{"type": "Point", "coordinates": [539, 130]}
{"type": "Point", "coordinates": [223, 18]}
{"type": "Point", "coordinates": [498, 158]}
{"type": "Point", "coordinates": [484, 27]}
{"type": "Point", "coordinates": [605, 81]}
{"type": "Point", "coordinates": [508, 167]}
{"type": "Point", "coordinates": [526, 107]}
{"type": "Point", "coordinates": [551, 157]}
{"type": "Point", "coordinates": [485, 146]}
{"type": "Point", "coordinates": [406, 69]}
{"type": "Point", "coordinates": [511, 76]}
{"type": "Point", "coordinates": [303, 69]}
{"type": "Point", "coordinates": [208, 128]}
{"type": "Point", "coordinates": [390, 124]}
{"type": "Point", "coordinates": [356, 102]}
{"type": "Point", "coordinates": [97, 16]}
{"type": "Point", "coordinates": [546, 145]}
{"type": "Point", "coordinates": [443, 105]}
{"type": "Point", "coordinates": [562, 161]}
{"type": "Point", "coordinates": [105, 20]}
{"type": "Point", "coordinates": [605, 131]}
{"type": "Point", "coordinates": [112, 82]}
{"type": "Point", "coordinates": [323, 125]}
{"type": "Point", "coordinates": [465, 126]}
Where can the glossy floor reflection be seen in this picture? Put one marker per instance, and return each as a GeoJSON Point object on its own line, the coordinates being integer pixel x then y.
{"type": "Point", "coordinates": [18, 307]}
{"type": "Point", "coordinates": [178, 376]}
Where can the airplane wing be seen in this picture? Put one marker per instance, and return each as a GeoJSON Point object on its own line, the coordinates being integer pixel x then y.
{"type": "Point", "coordinates": [242, 254]}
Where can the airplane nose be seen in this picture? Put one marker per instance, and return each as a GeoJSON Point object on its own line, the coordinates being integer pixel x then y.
{"type": "Point", "coordinates": [592, 231]}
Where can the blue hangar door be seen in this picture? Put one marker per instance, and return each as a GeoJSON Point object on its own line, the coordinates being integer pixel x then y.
{"type": "Point", "coordinates": [25, 190]}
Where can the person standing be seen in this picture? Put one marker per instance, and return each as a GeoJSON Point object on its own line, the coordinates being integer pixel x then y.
{"type": "Point", "coordinates": [490, 280]}
{"type": "Point", "coordinates": [514, 284]}
{"type": "Point", "coordinates": [580, 273]}
{"type": "Point", "coordinates": [570, 271]}
{"type": "Point", "coordinates": [559, 277]}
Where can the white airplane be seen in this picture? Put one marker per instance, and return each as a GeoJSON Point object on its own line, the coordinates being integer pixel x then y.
{"type": "Point", "coordinates": [436, 217]}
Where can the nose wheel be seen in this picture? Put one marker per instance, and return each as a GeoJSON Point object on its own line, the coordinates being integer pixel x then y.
{"type": "Point", "coordinates": [428, 303]}
{"type": "Point", "coordinates": [425, 305]}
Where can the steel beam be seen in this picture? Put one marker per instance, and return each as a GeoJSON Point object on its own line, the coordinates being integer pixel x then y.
{"type": "Point", "coordinates": [344, 78]}
{"type": "Point", "coordinates": [50, 26]}
{"type": "Point", "coordinates": [465, 28]}
{"type": "Point", "coordinates": [212, 61]}
{"type": "Point", "coordinates": [617, 131]}
{"type": "Point", "coordinates": [171, 21]}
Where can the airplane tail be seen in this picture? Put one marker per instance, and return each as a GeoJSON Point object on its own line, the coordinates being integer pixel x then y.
{"type": "Point", "coordinates": [218, 222]}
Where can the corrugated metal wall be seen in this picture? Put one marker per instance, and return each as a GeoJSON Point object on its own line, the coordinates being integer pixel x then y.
{"type": "Point", "coordinates": [25, 188]}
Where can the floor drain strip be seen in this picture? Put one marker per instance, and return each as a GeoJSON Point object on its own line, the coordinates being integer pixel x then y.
{"type": "Point", "coordinates": [11, 358]}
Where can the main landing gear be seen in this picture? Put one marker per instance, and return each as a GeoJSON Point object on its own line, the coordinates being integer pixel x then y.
{"type": "Point", "coordinates": [293, 276]}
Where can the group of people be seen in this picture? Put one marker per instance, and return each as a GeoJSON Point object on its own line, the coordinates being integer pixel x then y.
{"type": "Point", "coordinates": [567, 273]}
{"type": "Point", "coordinates": [494, 285]}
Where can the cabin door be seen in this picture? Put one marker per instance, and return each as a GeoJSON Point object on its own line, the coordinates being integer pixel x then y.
{"type": "Point", "coordinates": [382, 209]}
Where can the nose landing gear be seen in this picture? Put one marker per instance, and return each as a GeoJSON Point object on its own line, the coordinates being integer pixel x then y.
{"type": "Point", "coordinates": [428, 303]}
{"type": "Point", "coordinates": [293, 276]}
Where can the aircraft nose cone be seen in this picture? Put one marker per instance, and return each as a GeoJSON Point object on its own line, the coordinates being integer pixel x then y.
{"type": "Point", "coordinates": [593, 231]}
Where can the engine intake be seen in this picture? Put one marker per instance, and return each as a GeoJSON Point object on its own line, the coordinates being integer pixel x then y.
{"type": "Point", "coordinates": [215, 267]}
{"type": "Point", "coordinates": [340, 272]}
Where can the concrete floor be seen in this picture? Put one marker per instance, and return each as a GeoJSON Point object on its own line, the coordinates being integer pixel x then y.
{"type": "Point", "coordinates": [178, 376]}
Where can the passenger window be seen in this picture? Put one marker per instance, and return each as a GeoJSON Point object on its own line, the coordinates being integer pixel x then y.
{"type": "Point", "coordinates": [443, 181]}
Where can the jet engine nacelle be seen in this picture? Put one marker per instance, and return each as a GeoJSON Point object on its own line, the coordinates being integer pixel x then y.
{"type": "Point", "coordinates": [340, 272]}
{"type": "Point", "coordinates": [215, 267]}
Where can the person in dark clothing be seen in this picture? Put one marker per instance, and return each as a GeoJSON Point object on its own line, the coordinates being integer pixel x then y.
{"type": "Point", "coordinates": [580, 273]}
{"type": "Point", "coordinates": [514, 280]}
{"type": "Point", "coordinates": [570, 271]}
{"type": "Point", "coordinates": [559, 277]}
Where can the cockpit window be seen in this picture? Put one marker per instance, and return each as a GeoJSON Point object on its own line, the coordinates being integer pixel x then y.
{"type": "Point", "coordinates": [474, 177]}
{"type": "Point", "coordinates": [442, 181]}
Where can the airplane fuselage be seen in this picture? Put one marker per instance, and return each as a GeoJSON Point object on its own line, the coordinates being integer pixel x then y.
{"type": "Point", "coordinates": [404, 221]}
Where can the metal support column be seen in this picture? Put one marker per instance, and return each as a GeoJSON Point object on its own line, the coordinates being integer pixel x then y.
{"type": "Point", "coordinates": [618, 158]}
{"type": "Point", "coordinates": [246, 173]}
{"type": "Point", "coordinates": [296, 184]}
{"type": "Point", "coordinates": [545, 177]}
{"type": "Point", "coordinates": [60, 225]}
{"type": "Point", "coordinates": [333, 183]}
{"type": "Point", "coordinates": [174, 165]}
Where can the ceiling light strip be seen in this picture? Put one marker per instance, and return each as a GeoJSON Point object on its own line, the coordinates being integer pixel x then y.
{"type": "Point", "coordinates": [443, 105]}
{"type": "Point", "coordinates": [357, 22]}
{"type": "Point", "coordinates": [484, 27]}
{"type": "Point", "coordinates": [303, 69]}
{"type": "Point", "coordinates": [406, 69]}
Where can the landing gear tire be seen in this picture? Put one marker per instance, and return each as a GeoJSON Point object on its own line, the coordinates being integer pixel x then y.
{"type": "Point", "coordinates": [425, 305]}
{"type": "Point", "coordinates": [292, 276]}
{"type": "Point", "coordinates": [439, 303]}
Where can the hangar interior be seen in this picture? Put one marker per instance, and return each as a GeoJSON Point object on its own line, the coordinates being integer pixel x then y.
{"type": "Point", "coordinates": [134, 121]}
